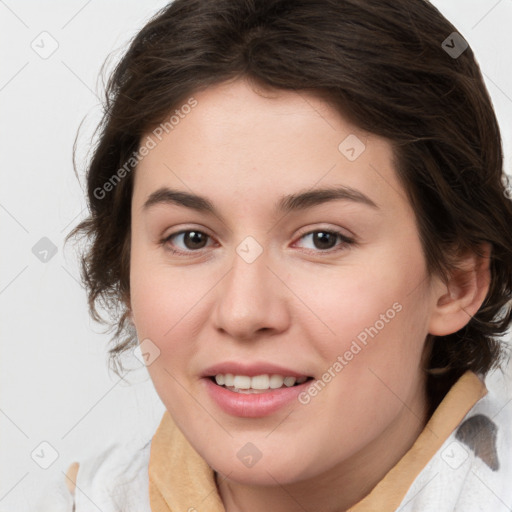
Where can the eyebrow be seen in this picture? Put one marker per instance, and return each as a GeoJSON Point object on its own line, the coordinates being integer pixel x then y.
{"type": "Point", "coordinates": [301, 200]}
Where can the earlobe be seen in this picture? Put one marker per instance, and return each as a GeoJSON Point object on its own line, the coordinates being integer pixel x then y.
{"type": "Point", "coordinates": [459, 299]}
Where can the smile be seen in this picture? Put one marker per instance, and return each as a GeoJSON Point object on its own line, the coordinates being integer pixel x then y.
{"type": "Point", "coordinates": [258, 383]}
{"type": "Point", "coordinates": [245, 401]}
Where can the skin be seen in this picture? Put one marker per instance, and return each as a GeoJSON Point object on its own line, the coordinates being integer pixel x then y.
{"type": "Point", "coordinates": [298, 304]}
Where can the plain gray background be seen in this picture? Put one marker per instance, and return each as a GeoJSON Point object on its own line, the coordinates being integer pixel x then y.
{"type": "Point", "coordinates": [55, 384]}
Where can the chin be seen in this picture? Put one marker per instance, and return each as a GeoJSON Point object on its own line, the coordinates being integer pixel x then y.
{"type": "Point", "coordinates": [281, 470]}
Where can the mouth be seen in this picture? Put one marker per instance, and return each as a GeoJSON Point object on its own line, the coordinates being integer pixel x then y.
{"type": "Point", "coordinates": [253, 391]}
{"type": "Point", "coordinates": [257, 384]}
{"type": "Point", "coordinates": [256, 389]}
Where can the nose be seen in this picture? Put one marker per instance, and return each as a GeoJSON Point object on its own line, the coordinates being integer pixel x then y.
{"type": "Point", "coordinates": [252, 300]}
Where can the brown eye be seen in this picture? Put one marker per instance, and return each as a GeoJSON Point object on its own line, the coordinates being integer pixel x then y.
{"type": "Point", "coordinates": [190, 240]}
{"type": "Point", "coordinates": [324, 240]}
{"type": "Point", "coordinates": [194, 239]}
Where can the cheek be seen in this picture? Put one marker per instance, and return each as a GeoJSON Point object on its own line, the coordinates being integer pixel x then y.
{"type": "Point", "coordinates": [168, 305]}
{"type": "Point", "coordinates": [371, 327]}
{"type": "Point", "coordinates": [372, 300]}
{"type": "Point", "coordinates": [372, 368]}
{"type": "Point", "coordinates": [163, 296]}
{"type": "Point", "coordinates": [163, 310]}
{"type": "Point", "coordinates": [164, 304]}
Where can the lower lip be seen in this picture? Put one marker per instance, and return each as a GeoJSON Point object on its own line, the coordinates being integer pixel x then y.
{"type": "Point", "coordinates": [253, 405]}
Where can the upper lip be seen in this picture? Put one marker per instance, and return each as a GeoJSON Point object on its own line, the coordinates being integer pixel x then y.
{"type": "Point", "coordinates": [251, 370]}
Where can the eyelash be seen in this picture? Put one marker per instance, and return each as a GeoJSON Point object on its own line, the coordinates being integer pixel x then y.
{"type": "Point", "coordinates": [346, 241]}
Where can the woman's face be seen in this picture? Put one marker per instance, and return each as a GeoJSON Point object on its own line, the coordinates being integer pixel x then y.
{"type": "Point", "coordinates": [263, 288]}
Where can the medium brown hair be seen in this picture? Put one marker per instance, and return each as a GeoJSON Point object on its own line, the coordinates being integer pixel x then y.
{"type": "Point", "coordinates": [383, 65]}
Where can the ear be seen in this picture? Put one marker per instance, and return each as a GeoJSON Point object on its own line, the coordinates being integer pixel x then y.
{"type": "Point", "coordinates": [457, 300]}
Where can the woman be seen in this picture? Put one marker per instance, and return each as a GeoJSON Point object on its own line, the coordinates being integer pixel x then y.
{"type": "Point", "coordinates": [299, 207]}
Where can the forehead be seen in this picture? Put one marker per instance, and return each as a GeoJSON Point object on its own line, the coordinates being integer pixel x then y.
{"type": "Point", "coordinates": [241, 142]}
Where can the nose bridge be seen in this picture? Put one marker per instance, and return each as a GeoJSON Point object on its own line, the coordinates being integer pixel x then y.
{"type": "Point", "coordinates": [250, 298]}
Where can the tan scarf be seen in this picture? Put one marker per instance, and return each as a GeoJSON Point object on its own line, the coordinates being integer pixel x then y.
{"type": "Point", "coordinates": [180, 480]}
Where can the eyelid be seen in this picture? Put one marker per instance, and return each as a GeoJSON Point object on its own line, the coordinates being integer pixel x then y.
{"type": "Point", "coordinates": [329, 229]}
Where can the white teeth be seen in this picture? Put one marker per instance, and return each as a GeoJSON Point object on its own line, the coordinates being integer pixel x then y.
{"type": "Point", "coordinates": [259, 382]}
{"type": "Point", "coordinates": [276, 381]}
{"type": "Point", "coordinates": [242, 382]}
{"type": "Point", "coordinates": [289, 381]}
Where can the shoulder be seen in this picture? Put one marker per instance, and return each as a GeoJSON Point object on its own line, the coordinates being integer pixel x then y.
{"type": "Point", "coordinates": [114, 480]}
{"type": "Point", "coordinates": [472, 470]}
